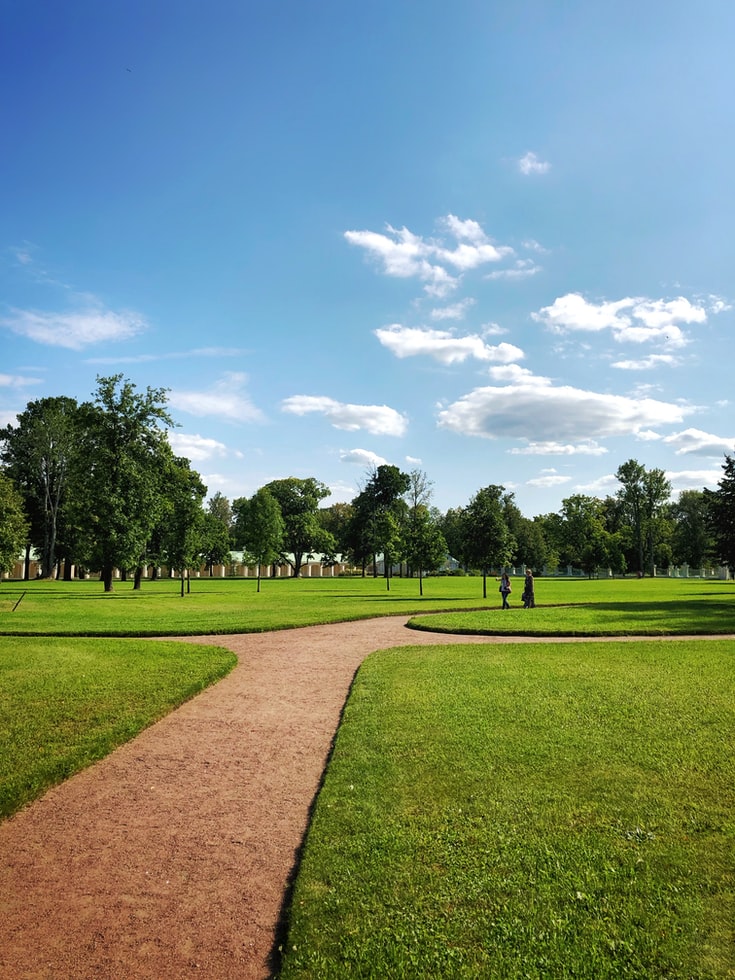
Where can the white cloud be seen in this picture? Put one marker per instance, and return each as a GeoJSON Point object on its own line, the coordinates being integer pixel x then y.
{"type": "Point", "coordinates": [17, 381]}
{"type": "Point", "coordinates": [693, 479]}
{"type": "Point", "coordinates": [75, 330]}
{"type": "Point", "coordinates": [604, 486]}
{"type": "Point", "coordinates": [694, 442]}
{"type": "Point", "coordinates": [522, 270]}
{"type": "Point", "coordinates": [443, 345]}
{"type": "Point", "coordinates": [225, 399]}
{"type": "Point", "coordinates": [549, 480]}
{"type": "Point", "coordinates": [376, 419]}
{"type": "Point", "coordinates": [195, 447]}
{"type": "Point", "coordinates": [530, 164]}
{"type": "Point", "coordinates": [554, 414]}
{"type": "Point", "coordinates": [586, 448]}
{"type": "Point", "coordinates": [413, 460]}
{"type": "Point", "coordinates": [517, 375]}
{"type": "Point", "coordinates": [633, 319]}
{"type": "Point", "coordinates": [645, 363]}
{"type": "Point", "coordinates": [171, 355]}
{"type": "Point", "coordinates": [406, 255]}
{"type": "Point", "coordinates": [363, 457]}
{"type": "Point", "coordinates": [454, 312]}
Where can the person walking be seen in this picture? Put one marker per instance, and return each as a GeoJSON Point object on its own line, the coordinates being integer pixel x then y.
{"type": "Point", "coordinates": [529, 599]}
{"type": "Point", "coordinates": [505, 589]}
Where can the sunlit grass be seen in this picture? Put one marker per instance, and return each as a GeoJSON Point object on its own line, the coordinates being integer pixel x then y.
{"type": "Point", "coordinates": [535, 811]}
{"type": "Point", "coordinates": [234, 605]}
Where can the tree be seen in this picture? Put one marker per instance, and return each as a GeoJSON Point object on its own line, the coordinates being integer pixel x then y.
{"type": "Point", "coordinates": [424, 545]}
{"type": "Point", "coordinates": [585, 540]}
{"type": "Point", "coordinates": [643, 495]}
{"type": "Point", "coordinates": [183, 518]}
{"type": "Point", "coordinates": [261, 528]}
{"type": "Point", "coordinates": [451, 525]}
{"type": "Point", "coordinates": [13, 523]}
{"type": "Point", "coordinates": [216, 531]}
{"type": "Point", "coordinates": [38, 454]}
{"type": "Point", "coordinates": [303, 532]}
{"type": "Point", "coordinates": [691, 540]}
{"type": "Point", "coordinates": [120, 487]}
{"type": "Point", "coordinates": [378, 512]}
{"type": "Point", "coordinates": [721, 506]}
{"type": "Point", "coordinates": [336, 520]}
{"type": "Point", "coordinates": [488, 542]}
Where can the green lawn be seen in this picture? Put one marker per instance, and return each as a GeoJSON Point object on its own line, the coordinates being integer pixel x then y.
{"type": "Point", "coordinates": [67, 703]}
{"type": "Point", "coordinates": [535, 811]}
{"type": "Point", "coordinates": [232, 606]}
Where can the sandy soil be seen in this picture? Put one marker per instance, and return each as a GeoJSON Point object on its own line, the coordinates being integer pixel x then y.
{"type": "Point", "coordinates": [173, 856]}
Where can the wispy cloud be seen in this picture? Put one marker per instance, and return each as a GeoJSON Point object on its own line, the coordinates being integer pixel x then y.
{"type": "Point", "coordinates": [376, 419]}
{"type": "Point", "coordinates": [646, 363]}
{"type": "Point", "coordinates": [586, 448]}
{"type": "Point", "coordinates": [198, 352]}
{"type": "Point", "coordinates": [549, 480]}
{"type": "Point", "coordinates": [77, 329]}
{"type": "Point", "coordinates": [226, 399]}
{"type": "Point", "coordinates": [361, 457]}
{"type": "Point", "coordinates": [523, 269]}
{"type": "Point", "coordinates": [195, 447]}
{"type": "Point", "coordinates": [434, 261]}
{"type": "Point", "coordinates": [529, 164]}
{"type": "Point", "coordinates": [18, 381]}
{"type": "Point", "coordinates": [443, 346]}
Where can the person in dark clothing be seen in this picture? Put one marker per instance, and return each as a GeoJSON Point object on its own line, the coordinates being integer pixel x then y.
{"type": "Point", "coordinates": [529, 599]}
{"type": "Point", "coordinates": [505, 589]}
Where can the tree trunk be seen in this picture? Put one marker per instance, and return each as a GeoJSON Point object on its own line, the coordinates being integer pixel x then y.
{"type": "Point", "coordinates": [107, 577]}
{"type": "Point", "coordinates": [138, 578]}
{"type": "Point", "coordinates": [27, 563]}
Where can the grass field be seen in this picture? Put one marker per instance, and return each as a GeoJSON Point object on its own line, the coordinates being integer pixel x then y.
{"type": "Point", "coordinates": [526, 811]}
{"type": "Point", "coordinates": [234, 606]}
{"type": "Point", "coordinates": [536, 811]}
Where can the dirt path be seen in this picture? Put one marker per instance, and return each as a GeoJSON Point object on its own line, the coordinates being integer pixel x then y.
{"type": "Point", "coordinates": [172, 857]}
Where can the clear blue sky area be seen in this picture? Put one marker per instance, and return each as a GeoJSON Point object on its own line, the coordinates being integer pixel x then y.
{"type": "Point", "coordinates": [491, 241]}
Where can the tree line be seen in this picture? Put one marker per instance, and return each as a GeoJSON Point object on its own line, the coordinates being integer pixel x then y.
{"type": "Point", "coordinates": [97, 486]}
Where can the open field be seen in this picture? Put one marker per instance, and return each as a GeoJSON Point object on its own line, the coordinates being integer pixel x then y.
{"type": "Point", "coordinates": [531, 811]}
{"type": "Point", "coordinates": [511, 810]}
{"type": "Point", "coordinates": [233, 606]}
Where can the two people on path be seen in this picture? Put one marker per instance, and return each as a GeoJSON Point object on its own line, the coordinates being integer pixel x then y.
{"type": "Point", "coordinates": [528, 597]}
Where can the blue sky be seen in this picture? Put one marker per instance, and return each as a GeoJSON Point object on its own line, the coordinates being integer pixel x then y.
{"type": "Point", "coordinates": [490, 241]}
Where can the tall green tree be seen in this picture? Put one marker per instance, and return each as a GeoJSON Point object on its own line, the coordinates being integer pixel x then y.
{"type": "Point", "coordinates": [13, 523]}
{"type": "Point", "coordinates": [488, 542]}
{"type": "Point", "coordinates": [261, 528]}
{"type": "Point", "coordinates": [424, 546]}
{"type": "Point", "coordinates": [38, 454]}
{"type": "Point", "coordinates": [378, 515]}
{"type": "Point", "coordinates": [303, 532]}
{"type": "Point", "coordinates": [644, 495]}
{"type": "Point", "coordinates": [721, 505]}
{"type": "Point", "coordinates": [120, 488]}
{"type": "Point", "coordinates": [691, 540]}
{"type": "Point", "coordinates": [217, 531]}
{"type": "Point", "coordinates": [182, 542]}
